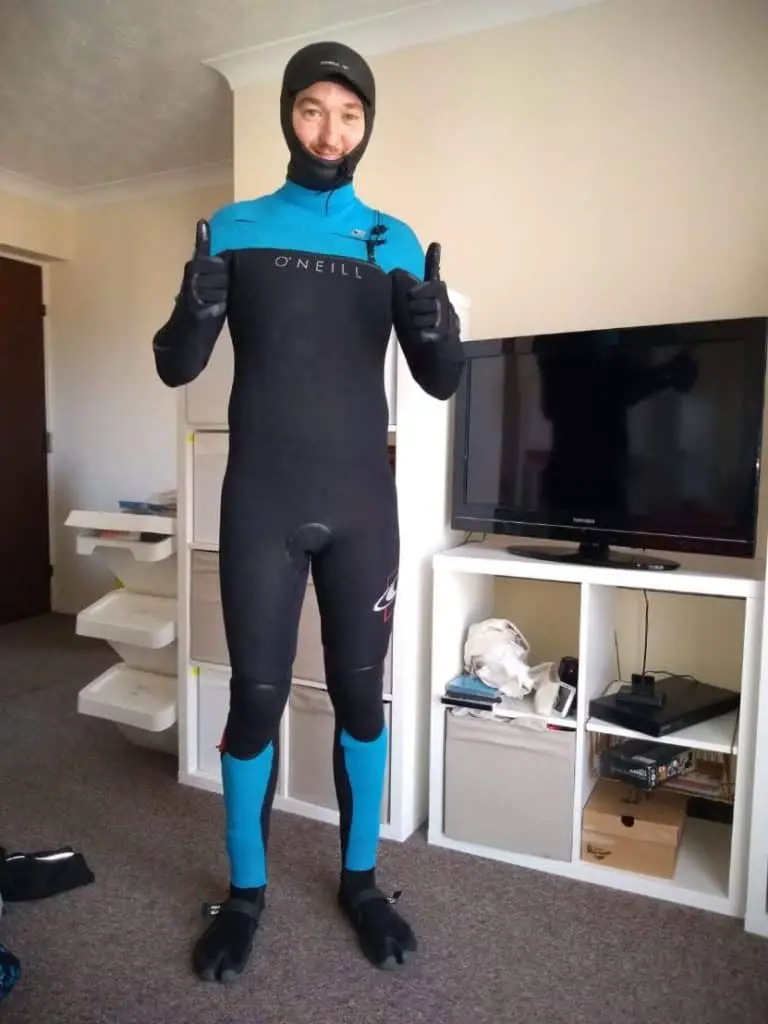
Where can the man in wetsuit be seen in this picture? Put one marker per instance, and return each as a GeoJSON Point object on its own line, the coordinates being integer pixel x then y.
{"type": "Point", "coordinates": [311, 281]}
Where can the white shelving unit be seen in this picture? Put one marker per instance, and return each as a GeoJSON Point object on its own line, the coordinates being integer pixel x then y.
{"type": "Point", "coordinates": [711, 871]}
{"type": "Point", "coordinates": [756, 917]}
{"type": "Point", "coordinates": [420, 428]}
{"type": "Point", "coordinates": [138, 619]}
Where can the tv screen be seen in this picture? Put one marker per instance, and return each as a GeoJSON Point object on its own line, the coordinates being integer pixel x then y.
{"type": "Point", "coordinates": [641, 437]}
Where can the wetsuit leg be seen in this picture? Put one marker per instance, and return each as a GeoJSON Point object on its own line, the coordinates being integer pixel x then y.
{"type": "Point", "coordinates": [262, 588]}
{"type": "Point", "coordinates": [355, 580]}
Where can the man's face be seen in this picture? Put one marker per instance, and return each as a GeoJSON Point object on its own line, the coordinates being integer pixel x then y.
{"type": "Point", "coordinates": [329, 120]}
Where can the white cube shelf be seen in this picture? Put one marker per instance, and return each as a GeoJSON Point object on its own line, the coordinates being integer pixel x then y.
{"type": "Point", "coordinates": [711, 871]}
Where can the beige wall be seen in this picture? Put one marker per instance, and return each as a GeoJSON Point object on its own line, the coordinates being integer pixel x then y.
{"type": "Point", "coordinates": [605, 166]}
{"type": "Point", "coordinates": [602, 166]}
{"type": "Point", "coordinates": [35, 228]}
{"type": "Point", "coordinates": [114, 422]}
{"type": "Point", "coordinates": [608, 168]}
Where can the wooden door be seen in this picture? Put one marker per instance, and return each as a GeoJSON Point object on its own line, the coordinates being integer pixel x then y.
{"type": "Point", "coordinates": [25, 574]}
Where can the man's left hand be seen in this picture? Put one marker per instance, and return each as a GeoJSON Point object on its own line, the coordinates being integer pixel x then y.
{"type": "Point", "coordinates": [423, 309]}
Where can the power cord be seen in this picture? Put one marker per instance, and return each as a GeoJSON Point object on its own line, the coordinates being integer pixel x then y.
{"type": "Point", "coordinates": [645, 637]}
{"type": "Point", "coordinates": [645, 642]}
{"type": "Point", "coordinates": [468, 538]}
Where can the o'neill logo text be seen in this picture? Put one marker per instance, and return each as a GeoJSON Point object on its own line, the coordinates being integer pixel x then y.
{"type": "Point", "coordinates": [318, 266]}
{"type": "Point", "coordinates": [386, 600]}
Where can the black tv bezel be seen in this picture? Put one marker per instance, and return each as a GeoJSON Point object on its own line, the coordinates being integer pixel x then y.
{"type": "Point", "coordinates": [490, 519]}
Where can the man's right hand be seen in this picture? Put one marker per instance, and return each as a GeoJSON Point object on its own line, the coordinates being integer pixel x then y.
{"type": "Point", "coordinates": [205, 284]}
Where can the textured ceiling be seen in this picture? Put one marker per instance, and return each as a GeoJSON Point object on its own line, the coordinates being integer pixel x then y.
{"type": "Point", "coordinates": [98, 91]}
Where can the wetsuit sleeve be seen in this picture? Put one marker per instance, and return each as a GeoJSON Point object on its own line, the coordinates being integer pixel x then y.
{"type": "Point", "coordinates": [426, 323]}
{"type": "Point", "coordinates": [183, 345]}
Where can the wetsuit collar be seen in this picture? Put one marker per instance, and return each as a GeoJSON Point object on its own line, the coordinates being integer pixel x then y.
{"type": "Point", "coordinates": [333, 201]}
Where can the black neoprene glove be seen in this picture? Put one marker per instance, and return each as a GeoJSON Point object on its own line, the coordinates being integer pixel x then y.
{"type": "Point", "coordinates": [183, 345]}
{"type": "Point", "coordinates": [428, 327]}
{"type": "Point", "coordinates": [205, 283]}
{"type": "Point", "coordinates": [422, 309]}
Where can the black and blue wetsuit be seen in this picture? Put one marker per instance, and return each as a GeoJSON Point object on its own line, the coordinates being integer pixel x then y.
{"type": "Point", "coordinates": [308, 483]}
{"type": "Point", "coordinates": [315, 284]}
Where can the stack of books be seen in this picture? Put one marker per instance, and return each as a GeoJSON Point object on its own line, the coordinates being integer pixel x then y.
{"type": "Point", "coordinates": [469, 691]}
{"type": "Point", "coordinates": [162, 504]}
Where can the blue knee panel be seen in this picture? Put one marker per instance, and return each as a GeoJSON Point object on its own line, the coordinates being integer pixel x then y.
{"type": "Point", "coordinates": [245, 788]}
{"type": "Point", "coordinates": [365, 763]}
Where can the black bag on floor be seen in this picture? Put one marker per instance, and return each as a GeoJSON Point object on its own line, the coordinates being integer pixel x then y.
{"type": "Point", "coordinates": [35, 876]}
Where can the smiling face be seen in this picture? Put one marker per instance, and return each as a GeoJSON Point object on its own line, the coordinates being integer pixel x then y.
{"type": "Point", "coordinates": [329, 120]}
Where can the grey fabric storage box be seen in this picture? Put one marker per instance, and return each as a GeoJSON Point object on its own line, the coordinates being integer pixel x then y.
{"type": "Point", "coordinates": [509, 786]}
{"type": "Point", "coordinates": [207, 642]}
{"type": "Point", "coordinates": [310, 754]}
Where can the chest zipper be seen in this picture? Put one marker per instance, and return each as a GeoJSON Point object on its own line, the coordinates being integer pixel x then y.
{"type": "Point", "coordinates": [375, 238]}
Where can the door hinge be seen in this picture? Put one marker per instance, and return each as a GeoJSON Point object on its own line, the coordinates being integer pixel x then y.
{"type": "Point", "coordinates": [48, 442]}
{"type": "Point", "coordinates": [50, 572]}
{"type": "Point", "coordinates": [44, 310]}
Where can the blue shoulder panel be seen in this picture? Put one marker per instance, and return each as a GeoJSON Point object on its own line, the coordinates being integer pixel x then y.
{"type": "Point", "coordinates": [337, 224]}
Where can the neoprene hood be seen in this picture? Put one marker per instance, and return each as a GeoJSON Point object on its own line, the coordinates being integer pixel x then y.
{"type": "Point", "coordinates": [321, 62]}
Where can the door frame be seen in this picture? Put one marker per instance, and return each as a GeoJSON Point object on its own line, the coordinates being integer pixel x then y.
{"type": "Point", "coordinates": [44, 265]}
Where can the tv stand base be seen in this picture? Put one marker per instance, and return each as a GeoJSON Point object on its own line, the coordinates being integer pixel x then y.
{"type": "Point", "coordinates": [595, 554]}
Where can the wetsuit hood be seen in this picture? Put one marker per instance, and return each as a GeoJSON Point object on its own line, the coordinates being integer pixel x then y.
{"type": "Point", "coordinates": [315, 63]}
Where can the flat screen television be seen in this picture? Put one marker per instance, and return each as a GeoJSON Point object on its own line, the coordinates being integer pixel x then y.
{"type": "Point", "coordinates": [639, 437]}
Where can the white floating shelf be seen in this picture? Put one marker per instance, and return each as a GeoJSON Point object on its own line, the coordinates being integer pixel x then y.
{"type": "Point", "coordinates": [718, 734]}
{"type": "Point", "coordinates": [95, 519]}
{"type": "Point", "coordinates": [131, 697]}
{"type": "Point", "coordinates": [142, 550]}
{"type": "Point", "coordinates": [140, 619]}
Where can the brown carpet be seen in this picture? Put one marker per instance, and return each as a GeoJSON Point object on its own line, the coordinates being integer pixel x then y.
{"type": "Point", "coordinates": [498, 944]}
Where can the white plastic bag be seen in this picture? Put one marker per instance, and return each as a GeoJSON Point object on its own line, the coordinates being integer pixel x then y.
{"type": "Point", "coordinates": [496, 651]}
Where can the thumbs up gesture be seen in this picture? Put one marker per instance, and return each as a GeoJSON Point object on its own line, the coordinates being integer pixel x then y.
{"type": "Point", "coordinates": [205, 285]}
{"type": "Point", "coordinates": [422, 310]}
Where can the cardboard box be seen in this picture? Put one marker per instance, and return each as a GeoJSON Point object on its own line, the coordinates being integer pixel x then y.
{"type": "Point", "coordinates": [627, 828]}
